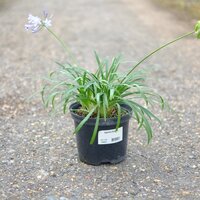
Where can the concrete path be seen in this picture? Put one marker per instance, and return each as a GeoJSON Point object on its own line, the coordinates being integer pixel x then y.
{"type": "Point", "coordinates": [38, 155]}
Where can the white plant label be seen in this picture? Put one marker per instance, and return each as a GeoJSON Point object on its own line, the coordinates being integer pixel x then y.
{"type": "Point", "coordinates": [110, 136]}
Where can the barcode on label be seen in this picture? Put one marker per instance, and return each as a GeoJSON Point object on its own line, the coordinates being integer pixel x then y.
{"type": "Point", "coordinates": [115, 139]}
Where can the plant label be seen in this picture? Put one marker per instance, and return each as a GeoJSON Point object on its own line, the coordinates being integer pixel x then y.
{"type": "Point", "coordinates": [110, 136]}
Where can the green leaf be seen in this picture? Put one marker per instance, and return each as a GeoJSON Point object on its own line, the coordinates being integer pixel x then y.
{"type": "Point", "coordinates": [141, 93]}
{"type": "Point", "coordinates": [148, 129]}
{"type": "Point", "coordinates": [118, 116]}
{"type": "Point", "coordinates": [53, 101]}
{"type": "Point", "coordinates": [100, 66]}
{"type": "Point", "coordinates": [84, 78]}
{"type": "Point", "coordinates": [85, 120]}
{"type": "Point", "coordinates": [197, 29]}
{"type": "Point", "coordinates": [147, 112]}
{"type": "Point", "coordinates": [42, 93]}
{"type": "Point", "coordinates": [98, 95]}
{"type": "Point", "coordinates": [107, 68]}
{"type": "Point", "coordinates": [162, 102]}
{"type": "Point", "coordinates": [141, 123]}
{"type": "Point", "coordinates": [94, 134]}
{"type": "Point", "coordinates": [51, 74]}
{"type": "Point", "coordinates": [113, 68]}
{"type": "Point", "coordinates": [112, 91]}
{"type": "Point", "coordinates": [105, 106]}
{"type": "Point", "coordinates": [51, 98]}
{"type": "Point", "coordinates": [65, 105]}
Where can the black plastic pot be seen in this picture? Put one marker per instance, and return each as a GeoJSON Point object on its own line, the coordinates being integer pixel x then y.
{"type": "Point", "coordinates": [109, 146]}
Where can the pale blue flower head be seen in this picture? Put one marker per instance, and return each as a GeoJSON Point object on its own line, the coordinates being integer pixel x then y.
{"type": "Point", "coordinates": [35, 23]}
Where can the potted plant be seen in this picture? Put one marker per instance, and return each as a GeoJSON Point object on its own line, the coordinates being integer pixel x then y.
{"type": "Point", "coordinates": [101, 103]}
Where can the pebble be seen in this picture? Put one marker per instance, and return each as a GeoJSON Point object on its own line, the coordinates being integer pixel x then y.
{"type": "Point", "coordinates": [157, 181]}
{"type": "Point", "coordinates": [105, 195]}
{"type": "Point", "coordinates": [42, 174]}
{"type": "Point", "coordinates": [192, 156]}
{"type": "Point", "coordinates": [104, 178]}
{"type": "Point", "coordinates": [53, 174]}
{"type": "Point", "coordinates": [193, 166]}
{"type": "Point", "coordinates": [142, 170]}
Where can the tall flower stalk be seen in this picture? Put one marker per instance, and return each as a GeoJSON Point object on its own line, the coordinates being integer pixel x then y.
{"type": "Point", "coordinates": [156, 50]}
{"type": "Point", "coordinates": [63, 44]}
{"type": "Point", "coordinates": [36, 24]}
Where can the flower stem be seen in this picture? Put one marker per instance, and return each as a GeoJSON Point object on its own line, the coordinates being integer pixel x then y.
{"type": "Point", "coordinates": [65, 47]}
{"type": "Point", "coordinates": [153, 52]}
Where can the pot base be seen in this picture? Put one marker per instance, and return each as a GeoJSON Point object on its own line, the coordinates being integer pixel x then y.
{"type": "Point", "coordinates": [106, 162]}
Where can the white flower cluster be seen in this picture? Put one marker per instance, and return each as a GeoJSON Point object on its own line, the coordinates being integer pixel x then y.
{"type": "Point", "coordinates": [35, 24]}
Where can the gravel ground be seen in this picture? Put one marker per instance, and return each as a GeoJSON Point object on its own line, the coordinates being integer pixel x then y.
{"type": "Point", "coordinates": [38, 152]}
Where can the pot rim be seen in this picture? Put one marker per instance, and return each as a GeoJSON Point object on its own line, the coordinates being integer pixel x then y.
{"type": "Point", "coordinates": [92, 121]}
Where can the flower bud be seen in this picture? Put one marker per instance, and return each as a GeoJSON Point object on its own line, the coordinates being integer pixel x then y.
{"type": "Point", "coordinates": [197, 29]}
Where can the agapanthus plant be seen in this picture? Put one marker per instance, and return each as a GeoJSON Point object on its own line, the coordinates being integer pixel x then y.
{"type": "Point", "coordinates": [100, 94]}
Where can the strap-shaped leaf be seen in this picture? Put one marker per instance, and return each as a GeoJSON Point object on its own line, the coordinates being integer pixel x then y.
{"type": "Point", "coordinates": [105, 105]}
{"type": "Point", "coordinates": [118, 116]}
{"type": "Point", "coordinates": [147, 112]}
{"type": "Point", "coordinates": [84, 120]}
{"type": "Point", "coordinates": [100, 70]}
{"type": "Point", "coordinates": [94, 134]}
{"type": "Point", "coordinates": [148, 129]}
